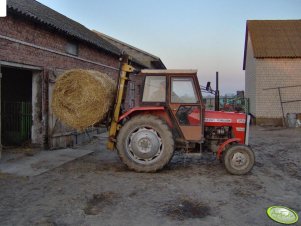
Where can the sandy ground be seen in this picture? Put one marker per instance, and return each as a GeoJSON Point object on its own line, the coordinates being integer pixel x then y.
{"type": "Point", "coordinates": [99, 190]}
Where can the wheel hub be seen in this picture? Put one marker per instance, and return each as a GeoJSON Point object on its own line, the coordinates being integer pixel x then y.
{"type": "Point", "coordinates": [239, 160]}
{"type": "Point", "coordinates": [144, 144]}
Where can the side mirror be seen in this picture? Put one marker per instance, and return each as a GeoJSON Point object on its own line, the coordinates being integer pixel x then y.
{"type": "Point", "coordinates": [208, 86]}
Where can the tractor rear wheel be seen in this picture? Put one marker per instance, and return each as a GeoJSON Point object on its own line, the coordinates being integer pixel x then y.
{"type": "Point", "coordinates": [145, 143]}
{"type": "Point", "coordinates": [238, 159]}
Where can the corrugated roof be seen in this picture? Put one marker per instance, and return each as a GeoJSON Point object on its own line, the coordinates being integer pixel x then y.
{"type": "Point", "coordinates": [274, 38]}
{"type": "Point", "coordinates": [48, 17]}
{"type": "Point", "coordinates": [139, 56]}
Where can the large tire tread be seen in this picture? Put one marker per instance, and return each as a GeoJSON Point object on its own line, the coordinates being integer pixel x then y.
{"type": "Point", "coordinates": [232, 149]}
{"type": "Point", "coordinates": [166, 136]}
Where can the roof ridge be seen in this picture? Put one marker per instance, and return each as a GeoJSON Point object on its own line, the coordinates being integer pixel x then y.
{"type": "Point", "coordinates": [277, 20]}
{"type": "Point", "coordinates": [123, 43]}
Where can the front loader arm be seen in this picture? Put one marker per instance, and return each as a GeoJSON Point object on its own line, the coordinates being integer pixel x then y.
{"type": "Point", "coordinates": [123, 76]}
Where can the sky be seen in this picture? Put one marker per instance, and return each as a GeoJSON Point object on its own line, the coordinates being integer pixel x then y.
{"type": "Point", "coordinates": [207, 35]}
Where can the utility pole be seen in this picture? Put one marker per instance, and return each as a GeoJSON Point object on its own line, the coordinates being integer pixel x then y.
{"type": "Point", "coordinates": [216, 93]}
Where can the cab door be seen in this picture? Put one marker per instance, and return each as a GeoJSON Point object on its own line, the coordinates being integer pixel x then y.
{"type": "Point", "coordinates": [185, 105]}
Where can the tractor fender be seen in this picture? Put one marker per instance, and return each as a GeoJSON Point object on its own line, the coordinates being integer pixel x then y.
{"type": "Point", "coordinates": [157, 111]}
{"type": "Point", "coordinates": [135, 109]}
{"type": "Point", "coordinates": [223, 145]}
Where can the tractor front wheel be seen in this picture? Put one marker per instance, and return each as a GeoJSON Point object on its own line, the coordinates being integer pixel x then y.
{"type": "Point", "coordinates": [145, 143]}
{"type": "Point", "coordinates": [238, 159]}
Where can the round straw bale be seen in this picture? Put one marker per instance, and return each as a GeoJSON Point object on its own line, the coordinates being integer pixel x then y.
{"type": "Point", "coordinates": [82, 98]}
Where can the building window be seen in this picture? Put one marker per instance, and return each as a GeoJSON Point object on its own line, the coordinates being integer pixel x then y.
{"type": "Point", "coordinates": [72, 48]}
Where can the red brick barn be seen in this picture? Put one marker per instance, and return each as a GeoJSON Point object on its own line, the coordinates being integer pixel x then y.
{"type": "Point", "coordinates": [37, 44]}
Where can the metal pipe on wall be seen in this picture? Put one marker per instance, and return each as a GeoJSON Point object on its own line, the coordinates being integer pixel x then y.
{"type": "Point", "coordinates": [56, 52]}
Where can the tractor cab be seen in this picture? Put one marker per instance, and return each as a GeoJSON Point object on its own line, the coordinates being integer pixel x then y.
{"type": "Point", "coordinates": [179, 93]}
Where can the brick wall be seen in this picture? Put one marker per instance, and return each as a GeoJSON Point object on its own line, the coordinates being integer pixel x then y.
{"type": "Point", "coordinates": [10, 51]}
{"type": "Point", "coordinates": [270, 73]}
{"type": "Point", "coordinates": [20, 29]}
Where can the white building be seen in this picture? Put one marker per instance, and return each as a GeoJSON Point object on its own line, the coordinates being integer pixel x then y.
{"type": "Point", "coordinates": [272, 59]}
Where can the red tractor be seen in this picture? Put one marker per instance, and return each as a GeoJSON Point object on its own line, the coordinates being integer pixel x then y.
{"type": "Point", "coordinates": [158, 111]}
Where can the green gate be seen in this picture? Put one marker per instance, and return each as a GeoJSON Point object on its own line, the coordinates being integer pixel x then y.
{"type": "Point", "coordinates": [236, 104]}
{"type": "Point", "coordinates": [16, 122]}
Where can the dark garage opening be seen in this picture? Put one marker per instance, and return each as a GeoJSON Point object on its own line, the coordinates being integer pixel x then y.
{"type": "Point", "coordinates": [16, 101]}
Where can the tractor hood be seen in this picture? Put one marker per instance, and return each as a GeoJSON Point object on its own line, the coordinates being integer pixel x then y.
{"type": "Point", "coordinates": [221, 118]}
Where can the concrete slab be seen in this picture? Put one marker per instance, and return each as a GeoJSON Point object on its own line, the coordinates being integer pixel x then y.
{"type": "Point", "coordinates": [42, 162]}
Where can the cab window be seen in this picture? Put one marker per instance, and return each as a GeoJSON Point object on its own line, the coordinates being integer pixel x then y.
{"type": "Point", "coordinates": [154, 89]}
{"type": "Point", "coordinates": [183, 91]}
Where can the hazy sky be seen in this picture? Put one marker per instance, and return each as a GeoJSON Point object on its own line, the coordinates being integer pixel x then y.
{"type": "Point", "coordinates": [207, 35]}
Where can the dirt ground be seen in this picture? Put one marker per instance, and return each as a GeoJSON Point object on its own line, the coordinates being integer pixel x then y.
{"type": "Point", "coordinates": [99, 190]}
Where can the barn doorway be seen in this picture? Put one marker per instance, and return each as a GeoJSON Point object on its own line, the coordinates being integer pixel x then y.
{"type": "Point", "coordinates": [16, 106]}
